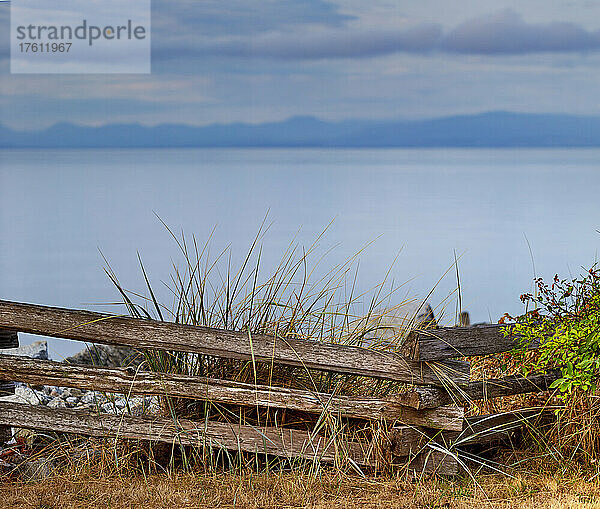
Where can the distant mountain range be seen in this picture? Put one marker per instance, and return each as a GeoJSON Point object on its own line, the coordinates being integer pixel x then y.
{"type": "Point", "coordinates": [493, 129]}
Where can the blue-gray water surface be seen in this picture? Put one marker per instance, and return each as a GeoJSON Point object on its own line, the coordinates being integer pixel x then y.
{"type": "Point", "coordinates": [507, 214]}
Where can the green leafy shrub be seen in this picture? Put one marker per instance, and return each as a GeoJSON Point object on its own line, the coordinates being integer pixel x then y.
{"type": "Point", "coordinates": [565, 322]}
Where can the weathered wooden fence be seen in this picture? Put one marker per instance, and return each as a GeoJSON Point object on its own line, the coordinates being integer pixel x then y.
{"type": "Point", "coordinates": [429, 363]}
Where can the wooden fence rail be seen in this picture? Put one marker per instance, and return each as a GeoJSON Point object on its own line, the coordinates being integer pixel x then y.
{"type": "Point", "coordinates": [223, 435]}
{"type": "Point", "coordinates": [451, 342]}
{"type": "Point", "coordinates": [429, 407]}
{"type": "Point", "coordinates": [433, 397]}
{"type": "Point", "coordinates": [152, 334]}
{"type": "Point", "coordinates": [211, 435]}
{"type": "Point", "coordinates": [8, 339]}
{"type": "Point", "coordinates": [225, 391]}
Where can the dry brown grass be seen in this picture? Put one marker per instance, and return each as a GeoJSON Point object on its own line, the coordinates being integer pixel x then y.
{"type": "Point", "coordinates": [82, 490]}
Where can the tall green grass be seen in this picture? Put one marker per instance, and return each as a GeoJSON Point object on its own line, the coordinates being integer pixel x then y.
{"type": "Point", "coordinates": [300, 298]}
{"type": "Point", "coordinates": [295, 300]}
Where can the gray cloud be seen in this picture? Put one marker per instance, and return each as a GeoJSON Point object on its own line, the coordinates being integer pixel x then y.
{"type": "Point", "coordinates": [243, 17]}
{"type": "Point", "coordinates": [505, 32]}
{"type": "Point", "coordinates": [337, 44]}
{"type": "Point", "coordinates": [502, 33]}
{"type": "Point", "coordinates": [315, 29]}
{"type": "Point", "coordinates": [189, 19]}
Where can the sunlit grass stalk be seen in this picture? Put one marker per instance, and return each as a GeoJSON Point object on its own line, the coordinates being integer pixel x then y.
{"type": "Point", "coordinates": [290, 302]}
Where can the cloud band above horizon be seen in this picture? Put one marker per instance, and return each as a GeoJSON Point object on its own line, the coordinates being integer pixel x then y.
{"type": "Point", "coordinates": [264, 61]}
{"type": "Point", "coordinates": [502, 33]}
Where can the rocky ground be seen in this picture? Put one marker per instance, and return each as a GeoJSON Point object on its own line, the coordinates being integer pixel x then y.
{"type": "Point", "coordinates": [18, 455]}
{"type": "Point", "coordinates": [66, 397]}
{"type": "Point", "coordinates": [77, 399]}
{"type": "Point", "coordinates": [24, 456]}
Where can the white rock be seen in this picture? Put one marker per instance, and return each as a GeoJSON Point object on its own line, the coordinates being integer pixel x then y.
{"type": "Point", "coordinates": [151, 404]}
{"type": "Point", "coordinates": [109, 408]}
{"type": "Point", "coordinates": [36, 350]}
{"type": "Point", "coordinates": [68, 392]}
{"type": "Point", "coordinates": [93, 398]}
{"type": "Point", "coordinates": [121, 403]}
{"type": "Point", "coordinates": [71, 401]}
{"type": "Point", "coordinates": [57, 403]}
{"type": "Point", "coordinates": [28, 395]}
{"type": "Point", "coordinates": [43, 397]}
{"type": "Point", "coordinates": [25, 399]}
{"type": "Point", "coordinates": [136, 406]}
{"type": "Point", "coordinates": [88, 397]}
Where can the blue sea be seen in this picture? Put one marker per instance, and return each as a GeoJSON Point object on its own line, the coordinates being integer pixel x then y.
{"type": "Point", "coordinates": [507, 215]}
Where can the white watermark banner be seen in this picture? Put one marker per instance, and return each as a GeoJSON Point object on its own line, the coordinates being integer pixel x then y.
{"type": "Point", "coordinates": [80, 36]}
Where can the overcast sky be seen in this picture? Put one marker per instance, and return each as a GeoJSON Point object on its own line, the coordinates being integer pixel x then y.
{"type": "Point", "coordinates": [264, 60]}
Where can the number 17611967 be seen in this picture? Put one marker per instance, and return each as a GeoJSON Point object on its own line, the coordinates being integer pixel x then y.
{"type": "Point", "coordinates": [45, 47]}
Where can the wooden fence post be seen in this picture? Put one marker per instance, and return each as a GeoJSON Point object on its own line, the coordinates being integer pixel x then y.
{"type": "Point", "coordinates": [429, 409]}
{"type": "Point", "coordinates": [8, 339]}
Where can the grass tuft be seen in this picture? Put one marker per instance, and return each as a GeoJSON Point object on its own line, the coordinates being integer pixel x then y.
{"type": "Point", "coordinates": [300, 298]}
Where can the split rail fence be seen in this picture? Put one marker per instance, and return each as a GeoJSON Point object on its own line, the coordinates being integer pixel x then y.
{"type": "Point", "coordinates": [431, 405]}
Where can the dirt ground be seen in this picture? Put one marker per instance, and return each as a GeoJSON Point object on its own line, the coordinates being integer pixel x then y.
{"type": "Point", "coordinates": [86, 490]}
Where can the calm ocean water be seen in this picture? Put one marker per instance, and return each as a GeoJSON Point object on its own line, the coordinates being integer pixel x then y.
{"type": "Point", "coordinates": [59, 208]}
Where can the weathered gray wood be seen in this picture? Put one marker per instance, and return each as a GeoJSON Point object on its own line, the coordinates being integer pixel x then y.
{"type": "Point", "coordinates": [452, 342]}
{"type": "Point", "coordinates": [482, 429]}
{"type": "Point", "coordinates": [234, 437]}
{"type": "Point", "coordinates": [431, 397]}
{"type": "Point", "coordinates": [8, 339]}
{"type": "Point", "coordinates": [478, 430]}
{"type": "Point", "coordinates": [510, 385]}
{"type": "Point", "coordinates": [432, 461]}
{"type": "Point", "coordinates": [209, 434]}
{"type": "Point", "coordinates": [427, 449]}
{"type": "Point", "coordinates": [151, 334]}
{"type": "Point", "coordinates": [411, 440]}
{"type": "Point", "coordinates": [223, 391]}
